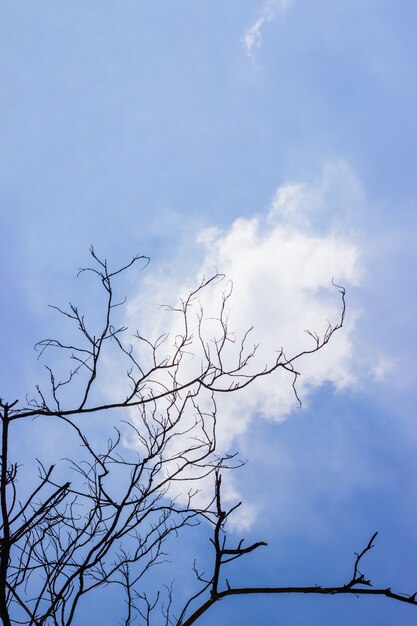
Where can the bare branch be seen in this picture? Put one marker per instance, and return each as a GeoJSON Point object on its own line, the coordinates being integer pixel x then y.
{"type": "Point", "coordinates": [221, 550]}
{"type": "Point", "coordinates": [134, 482]}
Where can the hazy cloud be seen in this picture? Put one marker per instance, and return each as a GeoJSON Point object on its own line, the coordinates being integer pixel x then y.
{"type": "Point", "coordinates": [252, 39]}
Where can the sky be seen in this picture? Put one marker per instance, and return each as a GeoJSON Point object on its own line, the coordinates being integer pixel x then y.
{"type": "Point", "coordinates": [275, 141]}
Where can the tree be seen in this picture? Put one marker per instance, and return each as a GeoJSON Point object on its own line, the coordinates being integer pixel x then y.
{"type": "Point", "coordinates": [104, 515]}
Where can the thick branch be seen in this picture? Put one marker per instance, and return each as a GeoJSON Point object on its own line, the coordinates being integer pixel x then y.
{"type": "Point", "coordinates": [316, 589]}
{"type": "Point", "coordinates": [219, 543]}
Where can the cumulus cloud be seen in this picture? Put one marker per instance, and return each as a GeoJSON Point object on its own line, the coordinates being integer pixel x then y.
{"type": "Point", "coordinates": [281, 264]}
{"type": "Point", "coordinates": [282, 273]}
{"type": "Point", "coordinates": [252, 39]}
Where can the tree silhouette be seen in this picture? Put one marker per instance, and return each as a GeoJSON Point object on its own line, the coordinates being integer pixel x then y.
{"type": "Point", "coordinates": [103, 514]}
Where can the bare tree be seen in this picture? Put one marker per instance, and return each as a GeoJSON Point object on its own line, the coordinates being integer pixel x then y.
{"type": "Point", "coordinates": [103, 514]}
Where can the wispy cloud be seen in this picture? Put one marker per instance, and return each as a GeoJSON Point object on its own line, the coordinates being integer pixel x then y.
{"type": "Point", "coordinates": [252, 39]}
{"type": "Point", "coordinates": [384, 367]}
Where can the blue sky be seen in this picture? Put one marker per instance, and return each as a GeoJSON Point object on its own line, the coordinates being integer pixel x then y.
{"type": "Point", "coordinates": [277, 141]}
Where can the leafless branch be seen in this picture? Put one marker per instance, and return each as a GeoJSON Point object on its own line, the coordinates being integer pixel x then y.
{"type": "Point", "coordinates": [104, 513]}
{"type": "Point", "coordinates": [215, 594]}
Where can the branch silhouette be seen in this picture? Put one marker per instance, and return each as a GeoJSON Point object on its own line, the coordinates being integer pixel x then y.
{"type": "Point", "coordinates": [357, 585]}
{"type": "Point", "coordinates": [103, 511]}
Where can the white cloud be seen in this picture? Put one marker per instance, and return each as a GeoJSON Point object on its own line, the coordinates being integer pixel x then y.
{"type": "Point", "coordinates": [282, 273]}
{"type": "Point", "coordinates": [252, 39]}
{"type": "Point", "coordinates": [282, 267]}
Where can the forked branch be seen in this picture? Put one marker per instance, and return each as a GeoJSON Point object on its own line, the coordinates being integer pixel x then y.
{"type": "Point", "coordinates": [359, 585]}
